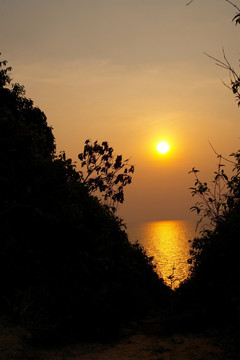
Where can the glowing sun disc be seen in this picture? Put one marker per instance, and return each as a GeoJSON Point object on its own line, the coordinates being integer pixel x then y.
{"type": "Point", "coordinates": [163, 147]}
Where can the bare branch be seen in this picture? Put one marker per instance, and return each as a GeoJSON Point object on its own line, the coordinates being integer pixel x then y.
{"type": "Point", "coordinates": [232, 5]}
{"type": "Point", "coordinates": [220, 156]}
{"type": "Point", "coordinates": [234, 77]}
{"type": "Point", "coordinates": [189, 2]}
{"type": "Point", "coordinates": [226, 65]}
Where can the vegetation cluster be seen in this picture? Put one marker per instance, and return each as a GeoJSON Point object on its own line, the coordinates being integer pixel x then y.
{"type": "Point", "coordinates": [67, 268]}
{"type": "Point", "coordinates": [211, 295]}
{"type": "Point", "coordinates": [66, 265]}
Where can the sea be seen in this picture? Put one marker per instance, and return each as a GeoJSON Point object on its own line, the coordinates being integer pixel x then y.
{"type": "Point", "coordinates": [169, 243]}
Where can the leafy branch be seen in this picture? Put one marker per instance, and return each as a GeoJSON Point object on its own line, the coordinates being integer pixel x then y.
{"type": "Point", "coordinates": [223, 194]}
{"type": "Point", "coordinates": [4, 76]}
{"type": "Point", "coordinates": [212, 204]}
{"type": "Point", "coordinates": [105, 172]}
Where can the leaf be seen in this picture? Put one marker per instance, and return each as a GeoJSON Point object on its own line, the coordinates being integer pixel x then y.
{"type": "Point", "coordinates": [236, 19]}
{"type": "Point", "coordinates": [193, 170]}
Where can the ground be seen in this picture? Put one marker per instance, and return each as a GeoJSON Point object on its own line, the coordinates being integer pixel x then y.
{"type": "Point", "coordinates": [137, 343]}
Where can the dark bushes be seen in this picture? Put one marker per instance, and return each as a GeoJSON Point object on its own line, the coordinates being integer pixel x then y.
{"type": "Point", "coordinates": [214, 281]}
{"type": "Point", "coordinates": [66, 266]}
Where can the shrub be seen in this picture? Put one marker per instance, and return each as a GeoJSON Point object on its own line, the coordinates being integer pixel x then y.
{"type": "Point", "coordinates": [66, 265]}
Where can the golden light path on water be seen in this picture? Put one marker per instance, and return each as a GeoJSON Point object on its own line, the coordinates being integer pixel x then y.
{"type": "Point", "coordinates": [168, 242]}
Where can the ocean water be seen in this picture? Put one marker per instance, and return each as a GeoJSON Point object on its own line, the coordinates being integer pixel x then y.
{"type": "Point", "coordinates": [168, 243]}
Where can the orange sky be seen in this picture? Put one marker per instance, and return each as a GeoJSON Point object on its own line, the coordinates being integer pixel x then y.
{"type": "Point", "coordinates": [131, 72]}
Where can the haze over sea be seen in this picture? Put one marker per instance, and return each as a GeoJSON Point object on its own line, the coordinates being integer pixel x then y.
{"type": "Point", "coordinates": [168, 242]}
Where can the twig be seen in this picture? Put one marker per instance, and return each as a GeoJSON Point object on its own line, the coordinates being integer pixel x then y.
{"type": "Point", "coordinates": [218, 155]}
{"type": "Point", "coordinates": [189, 2]}
{"type": "Point", "coordinates": [226, 65]}
{"type": "Point", "coordinates": [231, 4]}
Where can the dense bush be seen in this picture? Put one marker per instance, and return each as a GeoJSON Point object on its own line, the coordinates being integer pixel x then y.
{"type": "Point", "coordinates": [213, 289]}
{"type": "Point", "coordinates": [66, 265]}
{"type": "Point", "coordinates": [214, 254]}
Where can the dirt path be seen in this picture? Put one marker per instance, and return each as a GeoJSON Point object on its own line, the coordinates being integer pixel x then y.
{"type": "Point", "coordinates": [136, 346]}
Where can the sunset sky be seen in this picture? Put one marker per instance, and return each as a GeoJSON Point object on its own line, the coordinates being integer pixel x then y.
{"type": "Point", "coordinates": [131, 72]}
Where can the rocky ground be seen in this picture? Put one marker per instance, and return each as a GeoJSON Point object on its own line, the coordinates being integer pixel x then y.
{"type": "Point", "coordinates": [139, 342]}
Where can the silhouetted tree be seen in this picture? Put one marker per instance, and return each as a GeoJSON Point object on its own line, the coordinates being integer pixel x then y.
{"type": "Point", "coordinates": [26, 141]}
{"type": "Point", "coordinates": [213, 286]}
{"type": "Point", "coordinates": [66, 265]}
{"type": "Point", "coordinates": [105, 172]}
{"type": "Point", "coordinates": [26, 123]}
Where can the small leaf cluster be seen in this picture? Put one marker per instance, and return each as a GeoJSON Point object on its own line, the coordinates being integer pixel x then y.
{"type": "Point", "coordinates": [235, 86]}
{"type": "Point", "coordinates": [237, 19]}
{"type": "Point", "coordinates": [4, 73]}
{"type": "Point", "coordinates": [215, 199]}
{"type": "Point", "coordinates": [105, 172]}
{"type": "Point", "coordinates": [221, 197]}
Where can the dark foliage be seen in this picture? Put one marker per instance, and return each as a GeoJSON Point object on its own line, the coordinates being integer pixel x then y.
{"type": "Point", "coordinates": [212, 292]}
{"type": "Point", "coordinates": [213, 287]}
{"type": "Point", "coordinates": [66, 266]}
{"type": "Point", "coordinates": [105, 172]}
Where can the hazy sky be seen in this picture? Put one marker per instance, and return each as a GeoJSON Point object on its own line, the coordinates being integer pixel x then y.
{"type": "Point", "coordinates": [131, 72]}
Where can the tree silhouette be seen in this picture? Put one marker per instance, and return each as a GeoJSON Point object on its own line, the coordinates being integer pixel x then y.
{"type": "Point", "coordinates": [26, 123]}
{"type": "Point", "coordinates": [214, 254]}
{"type": "Point", "coordinates": [105, 172]}
{"type": "Point", "coordinates": [66, 265]}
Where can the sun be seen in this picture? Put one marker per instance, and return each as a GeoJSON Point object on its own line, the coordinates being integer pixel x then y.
{"type": "Point", "coordinates": [163, 147]}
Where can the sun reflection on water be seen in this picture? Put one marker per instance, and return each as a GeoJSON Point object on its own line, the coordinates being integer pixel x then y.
{"type": "Point", "coordinates": [168, 242]}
